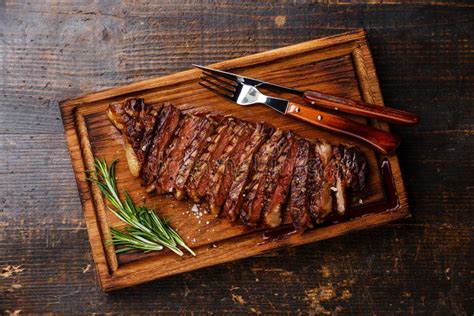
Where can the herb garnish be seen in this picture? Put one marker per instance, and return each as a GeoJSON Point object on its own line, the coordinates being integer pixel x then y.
{"type": "Point", "coordinates": [146, 230]}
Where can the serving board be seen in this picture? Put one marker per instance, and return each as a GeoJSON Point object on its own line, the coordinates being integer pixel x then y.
{"type": "Point", "coordinates": [340, 65]}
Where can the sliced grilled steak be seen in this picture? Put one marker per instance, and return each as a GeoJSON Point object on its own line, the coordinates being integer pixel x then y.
{"type": "Point", "coordinates": [240, 175]}
{"type": "Point", "coordinates": [217, 165]}
{"type": "Point", "coordinates": [251, 171]}
{"type": "Point", "coordinates": [216, 145]}
{"type": "Point", "coordinates": [298, 204]}
{"type": "Point", "coordinates": [199, 142]}
{"type": "Point", "coordinates": [237, 166]}
{"type": "Point", "coordinates": [223, 177]}
{"type": "Point", "coordinates": [136, 121]}
{"type": "Point", "coordinates": [351, 173]}
{"type": "Point", "coordinates": [279, 185]}
{"type": "Point", "coordinates": [167, 122]}
{"type": "Point", "coordinates": [319, 184]}
{"type": "Point", "coordinates": [183, 136]}
{"type": "Point", "coordinates": [254, 199]}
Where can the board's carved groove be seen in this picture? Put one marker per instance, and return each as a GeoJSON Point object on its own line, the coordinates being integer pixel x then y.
{"type": "Point", "coordinates": [100, 208]}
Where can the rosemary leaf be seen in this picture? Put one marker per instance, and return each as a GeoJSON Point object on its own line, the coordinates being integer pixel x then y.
{"type": "Point", "coordinates": [146, 231]}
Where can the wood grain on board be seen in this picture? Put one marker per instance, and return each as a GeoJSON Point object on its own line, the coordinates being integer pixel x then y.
{"type": "Point", "coordinates": [340, 65]}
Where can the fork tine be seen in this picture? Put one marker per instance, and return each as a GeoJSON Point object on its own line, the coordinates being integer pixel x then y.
{"type": "Point", "coordinates": [217, 72]}
{"type": "Point", "coordinates": [231, 82]}
{"type": "Point", "coordinates": [216, 91]}
{"type": "Point", "coordinates": [226, 88]}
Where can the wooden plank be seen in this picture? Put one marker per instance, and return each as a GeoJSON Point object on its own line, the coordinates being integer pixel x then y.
{"type": "Point", "coordinates": [338, 64]}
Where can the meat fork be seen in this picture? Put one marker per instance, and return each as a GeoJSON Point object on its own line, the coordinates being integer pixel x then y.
{"type": "Point", "coordinates": [234, 88]}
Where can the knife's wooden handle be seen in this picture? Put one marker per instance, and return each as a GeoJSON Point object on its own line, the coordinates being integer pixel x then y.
{"type": "Point", "coordinates": [360, 108]}
{"type": "Point", "coordinates": [382, 141]}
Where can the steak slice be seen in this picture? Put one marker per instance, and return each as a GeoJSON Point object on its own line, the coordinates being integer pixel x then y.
{"type": "Point", "coordinates": [223, 177]}
{"type": "Point", "coordinates": [167, 123]}
{"type": "Point", "coordinates": [254, 199]}
{"type": "Point", "coordinates": [220, 157]}
{"type": "Point", "coordinates": [298, 204]}
{"type": "Point", "coordinates": [240, 175]}
{"type": "Point", "coordinates": [279, 186]}
{"type": "Point", "coordinates": [321, 178]}
{"type": "Point", "coordinates": [187, 129]}
{"type": "Point", "coordinates": [136, 121]}
{"type": "Point", "coordinates": [237, 165]}
{"type": "Point", "coordinates": [337, 169]}
{"type": "Point", "coordinates": [215, 146]}
{"type": "Point", "coordinates": [351, 173]}
{"type": "Point", "coordinates": [199, 142]}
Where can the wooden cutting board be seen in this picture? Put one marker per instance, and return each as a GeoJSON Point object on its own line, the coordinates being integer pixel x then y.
{"type": "Point", "coordinates": [340, 65]}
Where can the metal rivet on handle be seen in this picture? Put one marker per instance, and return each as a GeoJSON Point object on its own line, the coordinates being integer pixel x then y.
{"type": "Point", "coordinates": [294, 108]}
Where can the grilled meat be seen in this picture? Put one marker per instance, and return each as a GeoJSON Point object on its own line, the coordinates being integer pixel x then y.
{"type": "Point", "coordinates": [247, 171]}
{"type": "Point", "coordinates": [298, 206]}
{"type": "Point", "coordinates": [136, 121]}
{"type": "Point", "coordinates": [236, 179]}
{"type": "Point", "coordinates": [182, 138]}
{"type": "Point", "coordinates": [351, 173]}
{"type": "Point", "coordinates": [321, 178]}
{"type": "Point", "coordinates": [168, 121]}
{"type": "Point", "coordinates": [257, 193]}
{"type": "Point", "coordinates": [223, 177]}
{"type": "Point", "coordinates": [200, 176]}
{"type": "Point", "coordinates": [192, 153]}
{"type": "Point", "coordinates": [278, 188]}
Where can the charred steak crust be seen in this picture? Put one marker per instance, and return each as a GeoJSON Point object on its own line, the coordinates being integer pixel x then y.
{"type": "Point", "coordinates": [220, 156]}
{"type": "Point", "coordinates": [249, 171]}
{"type": "Point", "coordinates": [256, 194]}
{"type": "Point", "coordinates": [182, 138]}
{"type": "Point", "coordinates": [279, 188]}
{"type": "Point", "coordinates": [223, 177]}
{"type": "Point", "coordinates": [236, 178]}
{"type": "Point", "coordinates": [321, 182]}
{"type": "Point", "coordinates": [192, 154]}
{"type": "Point", "coordinates": [167, 123]}
{"type": "Point", "coordinates": [353, 166]}
{"type": "Point", "coordinates": [218, 140]}
{"type": "Point", "coordinates": [217, 158]}
{"type": "Point", "coordinates": [298, 204]}
{"type": "Point", "coordinates": [240, 202]}
{"type": "Point", "coordinates": [137, 123]}
{"type": "Point", "coordinates": [350, 173]}
{"type": "Point", "coordinates": [315, 185]}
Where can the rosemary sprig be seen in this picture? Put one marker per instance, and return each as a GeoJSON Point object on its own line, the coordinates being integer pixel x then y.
{"type": "Point", "coordinates": [146, 230]}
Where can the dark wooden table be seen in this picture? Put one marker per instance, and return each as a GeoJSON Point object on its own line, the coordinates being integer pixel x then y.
{"type": "Point", "coordinates": [424, 55]}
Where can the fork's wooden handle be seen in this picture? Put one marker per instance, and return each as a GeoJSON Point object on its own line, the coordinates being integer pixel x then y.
{"type": "Point", "coordinates": [382, 141]}
{"type": "Point", "coordinates": [360, 108]}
